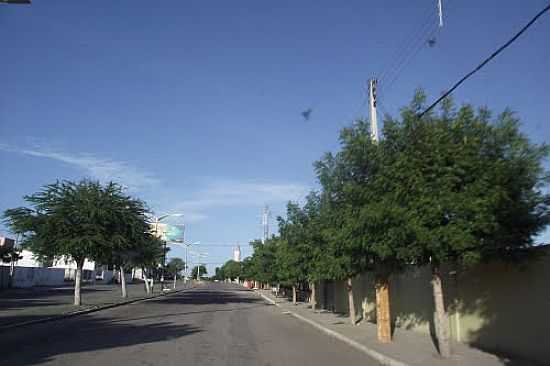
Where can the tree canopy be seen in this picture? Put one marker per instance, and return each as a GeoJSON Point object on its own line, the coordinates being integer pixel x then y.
{"type": "Point", "coordinates": [175, 265]}
{"type": "Point", "coordinates": [84, 220]}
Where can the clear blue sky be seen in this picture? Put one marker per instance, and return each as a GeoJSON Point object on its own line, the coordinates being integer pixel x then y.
{"type": "Point", "coordinates": [196, 106]}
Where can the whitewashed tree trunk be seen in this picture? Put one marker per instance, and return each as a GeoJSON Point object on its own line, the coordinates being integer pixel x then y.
{"type": "Point", "coordinates": [175, 279]}
{"type": "Point", "coordinates": [123, 282]}
{"type": "Point", "coordinates": [313, 299]}
{"type": "Point", "coordinates": [78, 282]}
{"type": "Point", "coordinates": [441, 317]}
{"type": "Point", "coordinates": [147, 289]}
{"type": "Point", "coordinates": [352, 317]}
{"type": "Point", "coordinates": [12, 274]}
{"type": "Point", "coordinates": [294, 295]}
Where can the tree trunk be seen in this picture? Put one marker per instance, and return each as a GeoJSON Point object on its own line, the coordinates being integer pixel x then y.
{"type": "Point", "coordinates": [12, 274]}
{"type": "Point", "coordinates": [294, 295]}
{"type": "Point", "coordinates": [77, 282]}
{"type": "Point", "coordinates": [441, 318]}
{"type": "Point", "coordinates": [123, 282]}
{"type": "Point", "coordinates": [383, 317]}
{"type": "Point", "coordinates": [313, 299]}
{"type": "Point", "coordinates": [175, 279]}
{"type": "Point", "coordinates": [351, 302]}
{"type": "Point", "coordinates": [147, 289]}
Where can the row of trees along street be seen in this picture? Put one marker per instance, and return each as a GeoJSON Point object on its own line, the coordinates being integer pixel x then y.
{"type": "Point", "coordinates": [455, 187]}
{"type": "Point", "coordinates": [88, 220]}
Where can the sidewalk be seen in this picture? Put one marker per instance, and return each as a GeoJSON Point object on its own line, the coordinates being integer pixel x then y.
{"type": "Point", "coordinates": [408, 347]}
{"type": "Point", "coordinates": [35, 303]}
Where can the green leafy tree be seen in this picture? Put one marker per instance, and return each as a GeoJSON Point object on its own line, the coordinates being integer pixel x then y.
{"type": "Point", "coordinates": [10, 254]}
{"type": "Point", "coordinates": [261, 266]}
{"type": "Point", "coordinates": [195, 271]}
{"type": "Point", "coordinates": [148, 257]}
{"type": "Point", "coordinates": [175, 265]}
{"type": "Point", "coordinates": [219, 274]}
{"type": "Point", "coordinates": [67, 219]}
{"type": "Point", "coordinates": [246, 268]}
{"type": "Point", "coordinates": [461, 188]}
{"type": "Point", "coordinates": [373, 222]}
{"type": "Point", "coordinates": [302, 244]}
{"type": "Point", "coordinates": [232, 269]}
{"type": "Point", "coordinates": [344, 254]}
{"type": "Point", "coordinates": [126, 229]}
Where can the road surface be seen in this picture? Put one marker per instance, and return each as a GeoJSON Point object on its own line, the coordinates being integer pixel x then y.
{"type": "Point", "coordinates": [214, 324]}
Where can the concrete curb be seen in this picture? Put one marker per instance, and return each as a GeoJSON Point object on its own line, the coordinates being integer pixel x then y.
{"type": "Point", "coordinates": [93, 309]}
{"type": "Point", "coordinates": [381, 358]}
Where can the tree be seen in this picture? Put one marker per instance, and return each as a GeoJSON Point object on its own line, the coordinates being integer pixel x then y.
{"type": "Point", "coordinates": [219, 275]}
{"type": "Point", "coordinates": [66, 219]}
{"type": "Point", "coordinates": [302, 244]}
{"type": "Point", "coordinates": [175, 266]}
{"type": "Point", "coordinates": [373, 219]}
{"type": "Point", "coordinates": [231, 269]}
{"type": "Point", "coordinates": [463, 189]}
{"type": "Point", "coordinates": [195, 271]}
{"type": "Point", "coordinates": [344, 254]}
{"type": "Point", "coordinates": [10, 254]}
{"type": "Point", "coordinates": [261, 266]}
{"type": "Point", "coordinates": [126, 229]}
{"type": "Point", "coordinates": [148, 256]}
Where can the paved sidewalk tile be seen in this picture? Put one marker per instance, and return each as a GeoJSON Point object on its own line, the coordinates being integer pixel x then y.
{"type": "Point", "coordinates": [409, 347]}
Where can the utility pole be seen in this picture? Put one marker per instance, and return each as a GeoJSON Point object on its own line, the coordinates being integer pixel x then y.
{"type": "Point", "coordinates": [265, 223]}
{"type": "Point", "coordinates": [383, 317]}
{"type": "Point", "coordinates": [440, 13]}
{"type": "Point", "coordinates": [372, 108]}
{"type": "Point", "coordinates": [186, 264]}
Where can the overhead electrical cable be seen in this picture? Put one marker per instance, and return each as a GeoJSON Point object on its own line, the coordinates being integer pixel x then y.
{"type": "Point", "coordinates": [487, 60]}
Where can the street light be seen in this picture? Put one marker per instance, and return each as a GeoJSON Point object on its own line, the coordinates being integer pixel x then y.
{"type": "Point", "coordinates": [199, 256]}
{"type": "Point", "coordinates": [187, 246]}
{"type": "Point", "coordinates": [157, 220]}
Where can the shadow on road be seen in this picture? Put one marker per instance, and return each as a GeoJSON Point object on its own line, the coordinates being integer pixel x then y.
{"type": "Point", "coordinates": [164, 316]}
{"type": "Point", "coordinates": [84, 334]}
{"type": "Point", "coordinates": [36, 296]}
{"type": "Point", "coordinates": [212, 296]}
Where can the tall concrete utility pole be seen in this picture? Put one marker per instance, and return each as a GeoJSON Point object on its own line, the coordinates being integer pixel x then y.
{"type": "Point", "coordinates": [440, 13]}
{"type": "Point", "coordinates": [372, 109]}
{"type": "Point", "coordinates": [383, 318]}
{"type": "Point", "coordinates": [265, 223]}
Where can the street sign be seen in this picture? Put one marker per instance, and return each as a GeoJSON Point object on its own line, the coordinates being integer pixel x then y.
{"type": "Point", "coordinates": [175, 233]}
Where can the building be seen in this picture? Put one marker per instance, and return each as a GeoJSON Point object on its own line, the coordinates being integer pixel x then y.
{"type": "Point", "coordinates": [237, 253]}
{"type": "Point", "coordinates": [159, 229]}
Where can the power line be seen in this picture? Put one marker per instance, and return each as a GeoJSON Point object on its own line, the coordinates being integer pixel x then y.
{"type": "Point", "coordinates": [409, 49]}
{"type": "Point", "coordinates": [486, 61]}
{"type": "Point", "coordinates": [407, 42]}
{"type": "Point", "coordinates": [420, 44]}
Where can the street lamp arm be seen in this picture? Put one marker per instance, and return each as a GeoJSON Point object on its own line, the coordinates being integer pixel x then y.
{"type": "Point", "coordinates": [160, 218]}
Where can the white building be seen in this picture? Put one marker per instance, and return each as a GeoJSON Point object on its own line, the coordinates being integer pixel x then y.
{"type": "Point", "coordinates": [237, 253]}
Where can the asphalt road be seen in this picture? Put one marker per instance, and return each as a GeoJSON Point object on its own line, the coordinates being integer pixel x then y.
{"type": "Point", "coordinates": [215, 324]}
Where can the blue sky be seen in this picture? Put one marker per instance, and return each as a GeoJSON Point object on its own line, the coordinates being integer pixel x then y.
{"type": "Point", "coordinates": [196, 106]}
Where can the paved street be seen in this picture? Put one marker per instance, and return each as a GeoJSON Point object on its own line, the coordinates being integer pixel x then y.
{"type": "Point", "coordinates": [215, 324]}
